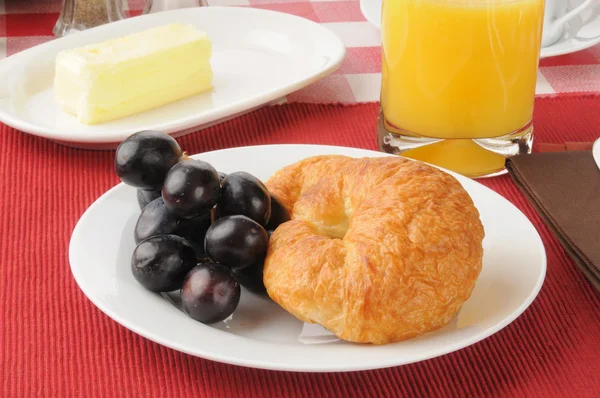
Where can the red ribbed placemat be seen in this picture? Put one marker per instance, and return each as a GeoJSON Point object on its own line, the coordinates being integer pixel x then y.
{"type": "Point", "coordinates": [54, 342]}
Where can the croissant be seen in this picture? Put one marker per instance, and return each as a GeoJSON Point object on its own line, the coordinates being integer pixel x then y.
{"type": "Point", "coordinates": [378, 250]}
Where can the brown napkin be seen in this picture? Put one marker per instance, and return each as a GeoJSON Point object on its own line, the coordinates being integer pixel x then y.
{"type": "Point", "coordinates": [564, 187]}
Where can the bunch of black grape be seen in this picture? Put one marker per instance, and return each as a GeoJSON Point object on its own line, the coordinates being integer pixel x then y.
{"type": "Point", "coordinates": [200, 231]}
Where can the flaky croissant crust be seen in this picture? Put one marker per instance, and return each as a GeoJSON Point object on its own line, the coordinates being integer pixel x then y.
{"type": "Point", "coordinates": [378, 250]}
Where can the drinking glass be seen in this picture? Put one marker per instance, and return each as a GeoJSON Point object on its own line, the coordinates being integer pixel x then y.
{"type": "Point", "coordinates": [458, 81]}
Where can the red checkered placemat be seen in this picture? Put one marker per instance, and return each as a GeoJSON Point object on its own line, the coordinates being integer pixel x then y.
{"type": "Point", "coordinates": [25, 23]}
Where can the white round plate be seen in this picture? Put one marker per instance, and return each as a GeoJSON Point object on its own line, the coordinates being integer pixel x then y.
{"type": "Point", "coordinates": [596, 152]}
{"type": "Point", "coordinates": [260, 334]}
{"type": "Point", "coordinates": [266, 56]}
{"type": "Point", "coordinates": [583, 32]}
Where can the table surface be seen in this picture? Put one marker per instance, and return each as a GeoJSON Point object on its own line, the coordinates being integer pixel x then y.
{"type": "Point", "coordinates": [357, 79]}
{"type": "Point", "coordinates": [54, 342]}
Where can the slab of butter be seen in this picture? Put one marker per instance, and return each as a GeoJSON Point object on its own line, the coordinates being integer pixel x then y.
{"type": "Point", "coordinates": [134, 73]}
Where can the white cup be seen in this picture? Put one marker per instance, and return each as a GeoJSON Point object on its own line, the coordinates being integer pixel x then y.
{"type": "Point", "coordinates": [556, 17]}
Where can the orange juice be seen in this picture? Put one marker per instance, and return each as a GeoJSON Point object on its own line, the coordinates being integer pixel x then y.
{"type": "Point", "coordinates": [460, 69]}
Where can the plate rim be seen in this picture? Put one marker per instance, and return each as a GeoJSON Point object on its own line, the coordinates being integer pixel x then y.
{"type": "Point", "coordinates": [186, 124]}
{"type": "Point", "coordinates": [282, 366]}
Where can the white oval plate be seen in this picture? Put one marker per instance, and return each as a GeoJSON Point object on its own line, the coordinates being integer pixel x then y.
{"type": "Point", "coordinates": [583, 32]}
{"type": "Point", "coordinates": [259, 56]}
{"type": "Point", "coordinates": [260, 334]}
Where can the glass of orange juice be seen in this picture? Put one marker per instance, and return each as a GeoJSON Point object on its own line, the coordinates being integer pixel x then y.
{"type": "Point", "coordinates": [458, 81]}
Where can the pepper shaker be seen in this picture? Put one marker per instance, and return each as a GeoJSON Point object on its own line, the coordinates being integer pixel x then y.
{"type": "Point", "coordinates": [153, 6]}
{"type": "Point", "coordinates": [77, 15]}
